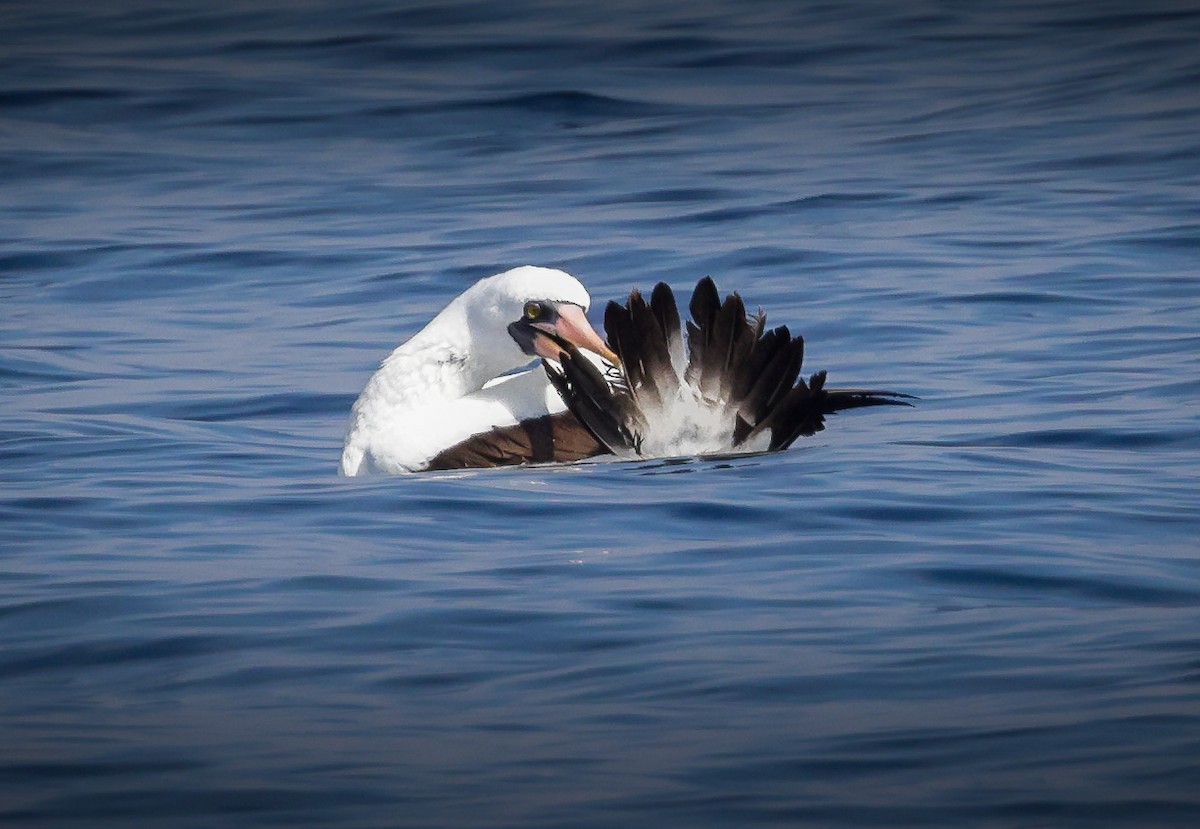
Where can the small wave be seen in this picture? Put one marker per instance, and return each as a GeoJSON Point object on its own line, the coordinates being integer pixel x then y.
{"type": "Point", "coordinates": [217, 410]}
{"type": "Point", "coordinates": [21, 98]}
{"type": "Point", "coordinates": [1093, 439]}
{"type": "Point", "coordinates": [994, 580]}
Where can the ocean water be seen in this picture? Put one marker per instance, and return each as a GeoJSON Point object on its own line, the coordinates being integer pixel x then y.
{"type": "Point", "coordinates": [983, 611]}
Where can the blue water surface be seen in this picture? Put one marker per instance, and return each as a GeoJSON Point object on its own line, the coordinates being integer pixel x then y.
{"type": "Point", "coordinates": [981, 612]}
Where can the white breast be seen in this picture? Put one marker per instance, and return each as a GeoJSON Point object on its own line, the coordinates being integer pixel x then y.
{"type": "Point", "coordinates": [405, 440]}
{"type": "Point", "coordinates": [452, 379]}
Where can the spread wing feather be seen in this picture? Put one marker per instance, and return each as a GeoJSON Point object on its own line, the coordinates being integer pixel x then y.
{"type": "Point", "coordinates": [732, 360]}
{"type": "Point", "coordinates": [608, 411]}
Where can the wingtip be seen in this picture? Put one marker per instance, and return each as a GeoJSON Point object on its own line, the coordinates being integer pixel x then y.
{"type": "Point", "coordinates": [841, 399]}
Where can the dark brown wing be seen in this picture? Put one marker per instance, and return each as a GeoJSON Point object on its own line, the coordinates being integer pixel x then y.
{"type": "Point", "coordinates": [556, 438]}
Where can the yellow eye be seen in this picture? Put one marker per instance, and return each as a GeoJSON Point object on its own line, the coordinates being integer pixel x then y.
{"type": "Point", "coordinates": [533, 310]}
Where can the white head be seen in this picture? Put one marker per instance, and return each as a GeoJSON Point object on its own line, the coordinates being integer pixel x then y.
{"type": "Point", "coordinates": [522, 313]}
{"type": "Point", "coordinates": [502, 322]}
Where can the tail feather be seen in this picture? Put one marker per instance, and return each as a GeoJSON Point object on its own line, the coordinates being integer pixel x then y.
{"type": "Point", "coordinates": [840, 400]}
{"type": "Point", "coordinates": [774, 371]}
{"type": "Point", "coordinates": [802, 412]}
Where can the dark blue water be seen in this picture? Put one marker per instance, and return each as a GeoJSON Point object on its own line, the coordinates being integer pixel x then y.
{"type": "Point", "coordinates": [981, 612]}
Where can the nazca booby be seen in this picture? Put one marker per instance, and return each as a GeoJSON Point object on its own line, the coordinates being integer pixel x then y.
{"type": "Point", "coordinates": [443, 399]}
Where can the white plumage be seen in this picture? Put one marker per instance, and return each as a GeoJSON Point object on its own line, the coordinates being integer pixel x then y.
{"type": "Point", "coordinates": [445, 384]}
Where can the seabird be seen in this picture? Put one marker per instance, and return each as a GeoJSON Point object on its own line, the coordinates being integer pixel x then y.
{"type": "Point", "coordinates": [450, 397]}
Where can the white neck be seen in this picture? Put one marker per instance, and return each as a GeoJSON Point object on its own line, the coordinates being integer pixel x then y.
{"type": "Point", "coordinates": [440, 363]}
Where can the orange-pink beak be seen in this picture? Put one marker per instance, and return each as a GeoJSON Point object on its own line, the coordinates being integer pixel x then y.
{"type": "Point", "coordinates": [573, 327]}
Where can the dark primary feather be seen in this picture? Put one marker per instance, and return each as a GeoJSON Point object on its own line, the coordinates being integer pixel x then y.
{"type": "Point", "coordinates": [662, 305]}
{"type": "Point", "coordinates": [735, 364]}
{"type": "Point", "coordinates": [608, 410]}
{"type": "Point", "coordinates": [702, 351]}
{"type": "Point", "coordinates": [637, 329]}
